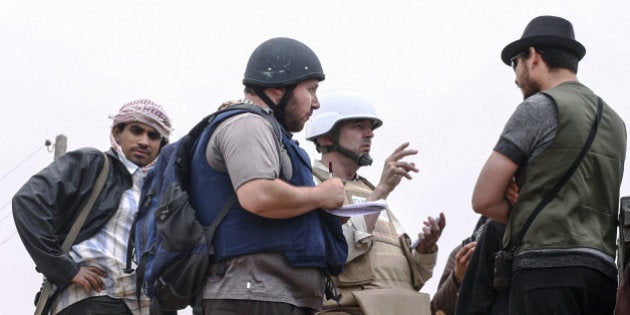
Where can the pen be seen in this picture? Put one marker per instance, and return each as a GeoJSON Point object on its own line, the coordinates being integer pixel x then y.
{"type": "Point", "coordinates": [330, 169]}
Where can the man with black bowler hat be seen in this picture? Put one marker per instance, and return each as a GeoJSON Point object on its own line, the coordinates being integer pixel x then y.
{"type": "Point", "coordinates": [565, 263]}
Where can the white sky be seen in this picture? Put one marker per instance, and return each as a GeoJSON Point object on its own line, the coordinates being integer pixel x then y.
{"type": "Point", "coordinates": [432, 68]}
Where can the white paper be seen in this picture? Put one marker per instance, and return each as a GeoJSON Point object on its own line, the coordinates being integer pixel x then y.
{"type": "Point", "coordinates": [367, 207]}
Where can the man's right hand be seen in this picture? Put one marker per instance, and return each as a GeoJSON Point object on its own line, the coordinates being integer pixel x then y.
{"type": "Point", "coordinates": [90, 277]}
{"type": "Point", "coordinates": [333, 194]}
{"type": "Point", "coordinates": [394, 170]}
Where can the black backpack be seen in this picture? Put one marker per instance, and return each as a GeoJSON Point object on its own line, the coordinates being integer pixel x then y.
{"type": "Point", "coordinates": [173, 250]}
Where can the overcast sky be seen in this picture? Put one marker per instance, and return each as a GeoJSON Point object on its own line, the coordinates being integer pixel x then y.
{"type": "Point", "coordinates": [432, 68]}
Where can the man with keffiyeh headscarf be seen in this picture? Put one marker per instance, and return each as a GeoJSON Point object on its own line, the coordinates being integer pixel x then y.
{"type": "Point", "coordinates": [91, 277]}
{"type": "Point", "coordinates": [141, 112]}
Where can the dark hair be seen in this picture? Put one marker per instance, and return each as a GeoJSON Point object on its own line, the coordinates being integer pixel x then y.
{"type": "Point", "coordinates": [250, 89]}
{"type": "Point", "coordinates": [557, 58]}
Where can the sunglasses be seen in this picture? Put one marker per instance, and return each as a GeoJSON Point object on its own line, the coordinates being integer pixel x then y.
{"type": "Point", "coordinates": [514, 60]}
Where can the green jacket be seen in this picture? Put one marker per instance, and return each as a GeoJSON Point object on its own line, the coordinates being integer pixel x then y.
{"type": "Point", "coordinates": [584, 213]}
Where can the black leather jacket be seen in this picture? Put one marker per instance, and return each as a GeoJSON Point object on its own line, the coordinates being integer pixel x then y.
{"type": "Point", "coordinates": [44, 208]}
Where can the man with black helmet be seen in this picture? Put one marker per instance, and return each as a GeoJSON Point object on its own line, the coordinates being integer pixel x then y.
{"type": "Point", "coordinates": [565, 261]}
{"type": "Point", "coordinates": [384, 271]}
{"type": "Point", "coordinates": [276, 247]}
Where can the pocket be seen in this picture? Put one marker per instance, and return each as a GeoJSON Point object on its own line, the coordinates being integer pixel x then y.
{"type": "Point", "coordinates": [357, 272]}
{"type": "Point", "coordinates": [502, 270]}
{"type": "Point", "coordinates": [181, 281]}
{"type": "Point", "coordinates": [176, 222]}
{"type": "Point", "coordinates": [393, 301]}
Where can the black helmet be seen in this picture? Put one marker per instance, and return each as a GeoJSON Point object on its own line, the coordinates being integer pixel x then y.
{"type": "Point", "coordinates": [281, 62]}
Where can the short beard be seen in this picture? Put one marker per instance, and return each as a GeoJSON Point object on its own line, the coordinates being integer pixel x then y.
{"type": "Point", "coordinates": [532, 87]}
{"type": "Point", "coordinates": [289, 120]}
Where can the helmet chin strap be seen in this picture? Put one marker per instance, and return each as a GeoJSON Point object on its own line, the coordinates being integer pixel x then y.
{"type": "Point", "coordinates": [278, 109]}
{"type": "Point", "coordinates": [363, 159]}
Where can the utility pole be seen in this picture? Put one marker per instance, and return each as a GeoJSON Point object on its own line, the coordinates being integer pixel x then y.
{"type": "Point", "coordinates": [61, 142]}
{"type": "Point", "coordinates": [44, 294]}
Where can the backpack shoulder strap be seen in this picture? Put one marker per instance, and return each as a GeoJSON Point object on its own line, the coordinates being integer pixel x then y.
{"type": "Point", "coordinates": [196, 131]}
{"type": "Point", "coordinates": [96, 191]}
{"type": "Point", "coordinates": [43, 302]}
{"type": "Point", "coordinates": [251, 108]}
{"type": "Point", "coordinates": [242, 108]}
{"type": "Point", "coordinates": [200, 127]}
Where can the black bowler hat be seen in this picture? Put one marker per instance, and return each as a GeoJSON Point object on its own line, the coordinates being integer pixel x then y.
{"type": "Point", "coordinates": [545, 31]}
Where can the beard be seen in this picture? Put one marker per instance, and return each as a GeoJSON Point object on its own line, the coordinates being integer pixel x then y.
{"type": "Point", "coordinates": [528, 86]}
{"type": "Point", "coordinates": [292, 122]}
{"type": "Point", "coordinates": [289, 117]}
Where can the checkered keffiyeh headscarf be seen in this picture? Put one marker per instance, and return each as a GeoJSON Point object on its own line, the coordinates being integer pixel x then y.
{"type": "Point", "coordinates": [147, 112]}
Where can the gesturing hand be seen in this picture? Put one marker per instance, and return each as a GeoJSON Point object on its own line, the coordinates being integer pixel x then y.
{"type": "Point", "coordinates": [395, 169]}
{"type": "Point", "coordinates": [430, 234]}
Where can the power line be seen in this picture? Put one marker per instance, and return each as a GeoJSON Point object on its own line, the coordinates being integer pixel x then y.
{"type": "Point", "coordinates": [5, 217]}
{"type": "Point", "coordinates": [5, 205]}
{"type": "Point", "coordinates": [47, 143]}
{"type": "Point", "coordinates": [8, 238]}
{"type": "Point", "coordinates": [2, 220]}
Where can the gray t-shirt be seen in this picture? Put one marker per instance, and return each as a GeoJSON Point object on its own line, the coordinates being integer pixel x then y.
{"type": "Point", "coordinates": [245, 146]}
{"type": "Point", "coordinates": [530, 129]}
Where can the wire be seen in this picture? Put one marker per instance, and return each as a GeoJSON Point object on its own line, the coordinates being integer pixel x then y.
{"type": "Point", "coordinates": [26, 159]}
{"type": "Point", "coordinates": [47, 143]}
{"type": "Point", "coordinates": [5, 205]}
{"type": "Point", "coordinates": [14, 232]}
{"type": "Point", "coordinates": [8, 238]}
{"type": "Point", "coordinates": [5, 217]}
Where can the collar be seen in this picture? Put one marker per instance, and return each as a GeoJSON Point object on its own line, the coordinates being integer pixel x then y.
{"type": "Point", "coordinates": [130, 166]}
{"type": "Point", "coordinates": [318, 164]}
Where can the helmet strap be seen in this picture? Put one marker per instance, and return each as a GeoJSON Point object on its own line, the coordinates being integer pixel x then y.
{"type": "Point", "coordinates": [260, 91]}
{"type": "Point", "coordinates": [363, 159]}
{"type": "Point", "coordinates": [278, 109]}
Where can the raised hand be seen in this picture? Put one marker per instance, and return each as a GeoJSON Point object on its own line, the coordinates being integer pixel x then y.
{"type": "Point", "coordinates": [395, 169]}
{"type": "Point", "coordinates": [430, 234]}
